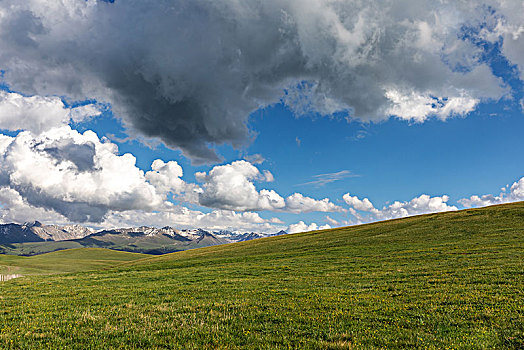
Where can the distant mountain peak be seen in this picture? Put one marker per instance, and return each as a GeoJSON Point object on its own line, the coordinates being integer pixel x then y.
{"type": "Point", "coordinates": [143, 239]}
{"type": "Point", "coordinates": [33, 224]}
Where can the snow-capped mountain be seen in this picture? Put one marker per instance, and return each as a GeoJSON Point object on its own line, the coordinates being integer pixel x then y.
{"type": "Point", "coordinates": [244, 236]}
{"type": "Point", "coordinates": [38, 232]}
{"type": "Point", "coordinates": [21, 239]}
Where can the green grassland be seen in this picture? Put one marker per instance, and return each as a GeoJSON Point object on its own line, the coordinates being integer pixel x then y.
{"type": "Point", "coordinates": [72, 260]}
{"type": "Point", "coordinates": [452, 280]}
{"type": "Point", "coordinates": [33, 248]}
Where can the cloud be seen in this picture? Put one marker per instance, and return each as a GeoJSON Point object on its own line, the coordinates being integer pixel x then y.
{"type": "Point", "coordinates": [511, 28]}
{"type": "Point", "coordinates": [298, 203]}
{"type": "Point", "coordinates": [231, 187]}
{"type": "Point", "coordinates": [166, 178]}
{"type": "Point", "coordinates": [419, 107]}
{"type": "Point", "coordinates": [190, 73]}
{"type": "Point", "coordinates": [353, 201]}
{"type": "Point", "coordinates": [268, 176]}
{"type": "Point", "coordinates": [419, 205]}
{"type": "Point", "coordinates": [303, 227]}
{"type": "Point", "coordinates": [13, 208]}
{"type": "Point", "coordinates": [323, 179]}
{"type": "Point", "coordinates": [113, 193]}
{"type": "Point", "coordinates": [255, 158]}
{"type": "Point", "coordinates": [74, 174]}
{"type": "Point", "coordinates": [331, 221]}
{"type": "Point", "coordinates": [54, 173]}
{"type": "Point", "coordinates": [38, 114]}
{"type": "Point", "coordinates": [514, 193]}
{"type": "Point", "coordinates": [83, 179]}
{"type": "Point", "coordinates": [184, 218]}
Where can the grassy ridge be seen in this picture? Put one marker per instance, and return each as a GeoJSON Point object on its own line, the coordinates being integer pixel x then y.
{"type": "Point", "coordinates": [450, 280]}
{"type": "Point", "coordinates": [34, 248]}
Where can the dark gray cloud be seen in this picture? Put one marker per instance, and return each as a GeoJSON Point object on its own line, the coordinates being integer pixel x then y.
{"type": "Point", "coordinates": [190, 72]}
{"type": "Point", "coordinates": [75, 211]}
{"type": "Point", "coordinates": [81, 155]}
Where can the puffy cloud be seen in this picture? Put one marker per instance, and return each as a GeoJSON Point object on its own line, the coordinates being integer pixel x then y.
{"type": "Point", "coordinates": [418, 107]}
{"type": "Point", "coordinates": [37, 113]}
{"type": "Point", "coordinates": [480, 201]}
{"type": "Point", "coordinates": [83, 179]}
{"type": "Point", "coordinates": [231, 187]}
{"type": "Point", "coordinates": [166, 177]}
{"type": "Point", "coordinates": [184, 218]}
{"type": "Point", "coordinates": [55, 174]}
{"type": "Point", "coordinates": [13, 208]}
{"type": "Point", "coordinates": [418, 205]}
{"type": "Point", "coordinates": [514, 193]}
{"type": "Point", "coordinates": [298, 203]}
{"type": "Point", "coordinates": [89, 195]}
{"type": "Point", "coordinates": [353, 201]}
{"type": "Point", "coordinates": [301, 226]}
{"type": "Point", "coordinates": [73, 174]}
{"type": "Point", "coordinates": [190, 73]}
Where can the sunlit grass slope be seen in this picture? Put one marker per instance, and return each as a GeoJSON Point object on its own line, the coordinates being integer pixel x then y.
{"type": "Point", "coordinates": [450, 280]}
{"type": "Point", "coordinates": [72, 260]}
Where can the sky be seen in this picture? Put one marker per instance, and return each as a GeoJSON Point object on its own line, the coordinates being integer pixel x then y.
{"type": "Point", "coordinates": [260, 115]}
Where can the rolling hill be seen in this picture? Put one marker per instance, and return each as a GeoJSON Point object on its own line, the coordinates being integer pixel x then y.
{"type": "Point", "coordinates": [448, 280]}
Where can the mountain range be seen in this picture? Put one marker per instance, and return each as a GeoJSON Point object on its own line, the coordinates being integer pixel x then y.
{"type": "Point", "coordinates": [36, 238]}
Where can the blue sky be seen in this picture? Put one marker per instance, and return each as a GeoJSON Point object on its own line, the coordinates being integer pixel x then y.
{"type": "Point", "coordinates": [386, 161]}
{"type": "Point", "coordinates": [336, 114]}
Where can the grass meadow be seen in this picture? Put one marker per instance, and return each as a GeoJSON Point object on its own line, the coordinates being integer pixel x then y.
{"type": "Point", "coordinates": [440, 281]}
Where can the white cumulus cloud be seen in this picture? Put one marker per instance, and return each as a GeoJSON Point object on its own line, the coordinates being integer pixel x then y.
{"type": "Point", "coordinates": [418, 107]}
{"type": "Point", "coordinates": [419, 205]}
{"type": "Point", "coordinates": [301, 226]}
{"type": "Point", "coordinates": [359, 204]}
{"type": "Point", "coordinates": [37, 113]}
{"type": "Point", "coordinates": [514, 193]}
{"type": "Point", "coordinates": [73, 174]}
{"type": "Point", "coordinates": [231, 186]}
{"type": "Point", "coordinates": [298, 203]}
{"type": "Point", "coordinates": [185, 218]}
{"type": "Point", "coordinates": [167, 177]}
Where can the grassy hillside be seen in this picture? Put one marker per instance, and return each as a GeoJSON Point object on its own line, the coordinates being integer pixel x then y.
{"type": "Point", "coordinates": [450, 280]}
{"type": "Point", "coordinates": [72, 260]}
{"type": "Point", "coordinates": [34, 248]}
